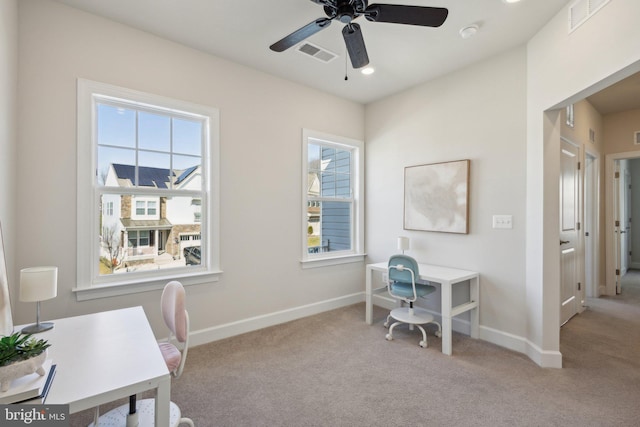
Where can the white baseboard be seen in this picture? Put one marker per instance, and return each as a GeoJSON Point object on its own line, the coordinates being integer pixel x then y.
{"type": "Point", "coordinates": [545, 359]}
{"type": "Point", "coordinates": [204, 336]}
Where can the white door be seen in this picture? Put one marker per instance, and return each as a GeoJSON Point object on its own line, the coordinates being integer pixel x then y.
{"type": "Point", "coordinates": [622, 182]}
{"type": "Point", "coordinates": [569, 230]}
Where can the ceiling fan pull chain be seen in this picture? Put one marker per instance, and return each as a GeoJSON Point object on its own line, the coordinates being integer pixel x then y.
{"type": "Point", "coordinates": [346, 69]}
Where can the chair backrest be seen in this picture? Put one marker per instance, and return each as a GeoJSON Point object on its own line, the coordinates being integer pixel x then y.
{"type": "Point", "coordinates": [176, 317]}
{"type": "Point", "coordinates": [402, 271]}
{"type": "Point", "coordinates": [404, 266]}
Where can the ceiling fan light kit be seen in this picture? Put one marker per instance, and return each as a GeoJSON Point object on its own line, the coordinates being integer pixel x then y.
{"type": "Point", "coordinates": [346, 11]}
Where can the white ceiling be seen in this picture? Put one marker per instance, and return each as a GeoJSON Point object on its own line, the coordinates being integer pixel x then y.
{"type": "Point", "coordinates": [403, 55]}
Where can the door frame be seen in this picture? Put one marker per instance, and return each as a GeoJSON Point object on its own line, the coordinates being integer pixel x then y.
{"type": "Point", "coordinates": [591, 217]}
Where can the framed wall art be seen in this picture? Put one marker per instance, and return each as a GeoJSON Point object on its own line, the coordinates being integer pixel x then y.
{"type": "Point", "coordinates": [436, 197]}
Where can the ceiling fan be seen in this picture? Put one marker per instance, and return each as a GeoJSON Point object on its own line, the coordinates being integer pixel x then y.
{"type": "Point", "coordinates": [346, 11]}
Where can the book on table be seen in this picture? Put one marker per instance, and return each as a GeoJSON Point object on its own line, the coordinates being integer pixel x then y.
{"type": "Point", "coordinates": [32, 388]}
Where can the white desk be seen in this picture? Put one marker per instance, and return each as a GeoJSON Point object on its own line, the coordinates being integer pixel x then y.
{"type": "Point", "coordinates": [106, 356]}
{"type": "Point", "coordinates": [446, 277]}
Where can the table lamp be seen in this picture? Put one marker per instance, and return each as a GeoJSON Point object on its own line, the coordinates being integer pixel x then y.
{"type": "Point", "coordinates": [403, 244]}
{"type": "Point", "coordinates": [38, 284]}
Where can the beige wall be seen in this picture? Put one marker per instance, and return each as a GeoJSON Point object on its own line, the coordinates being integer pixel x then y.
{"type": "Point", "coordinates": [261, 120]}
{"type": "Point", "coordinates": [477, 113]}
{"type": "Point", "coordinates": [619, 129]}
{"type": "Point", "coordinates": [8, 129]}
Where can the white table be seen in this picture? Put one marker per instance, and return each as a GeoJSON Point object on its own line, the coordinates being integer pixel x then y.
{"type": "Point", "coordinates": [106, 356]}
{"type": "Point", "coordinates": [446, 277]}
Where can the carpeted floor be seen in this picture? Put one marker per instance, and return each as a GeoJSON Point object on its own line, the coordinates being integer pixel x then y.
{"type": "Point", "coordinates": [334, 370]}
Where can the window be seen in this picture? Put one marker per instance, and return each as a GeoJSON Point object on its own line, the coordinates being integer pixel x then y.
{"type": "Point", "coordinates": [332, 199]}
{"type": "Point", "coordinates": [145, 158]}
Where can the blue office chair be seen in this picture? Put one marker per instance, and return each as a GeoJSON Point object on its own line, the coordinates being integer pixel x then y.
{"type": "Point", "coordinates": [401, 284]}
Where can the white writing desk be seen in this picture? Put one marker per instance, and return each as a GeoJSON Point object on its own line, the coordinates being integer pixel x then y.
{"type": "Point", "coordinates": [446, 277]}
{"type": "Point", "coordinates": [106, 356]}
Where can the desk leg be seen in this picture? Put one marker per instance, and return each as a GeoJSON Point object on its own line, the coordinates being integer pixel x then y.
{"type": "Point", "coordinates": [163, 402]}
{"type": "Point", "coordinates": [368, 311]}
{"type": "Point", "coordinates": [474, 295]}
{"type": "Point", "coordinates": [446, 318]}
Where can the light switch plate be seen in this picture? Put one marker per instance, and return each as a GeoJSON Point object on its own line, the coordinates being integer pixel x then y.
{"type": "Point", "coordinates": [503, 221]}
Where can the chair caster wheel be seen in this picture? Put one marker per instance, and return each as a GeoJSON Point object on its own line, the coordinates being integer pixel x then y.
{"type": "Point", "coordinates": [385, 324]}
{"type": "Point", "coordinates": [423, 344]}
{"type": "Point", "coordinates": [389, 337]}
{"type": "Point", "coordinates": [438, 334]}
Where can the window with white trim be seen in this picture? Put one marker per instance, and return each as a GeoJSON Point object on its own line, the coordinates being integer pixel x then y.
{"type": "Point", "coordinates": [142, 160]}
{"type": "Point", "coordinates": [332, 171]}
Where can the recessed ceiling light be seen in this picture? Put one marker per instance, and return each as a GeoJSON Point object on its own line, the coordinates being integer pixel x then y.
{"type": "Point", "coordinates": [511, 1]}
{"type": "Point", "coordinates": [368, 70]}
{"type": "Point", "coordinates": [468, 31]}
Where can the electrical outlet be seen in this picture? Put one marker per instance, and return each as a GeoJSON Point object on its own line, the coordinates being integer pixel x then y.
{"type": "Point", "coordinates": [385, 277]}
{"type": "Point", "coordinates": [502, 221]}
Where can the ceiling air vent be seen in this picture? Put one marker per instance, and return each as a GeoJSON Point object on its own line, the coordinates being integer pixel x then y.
{"type": "Point", "coordinates": [636, 138]}
{"type": "Point", "coordinates": [581, 10]}
{"type": "Point", "coordinates": [317, 52]}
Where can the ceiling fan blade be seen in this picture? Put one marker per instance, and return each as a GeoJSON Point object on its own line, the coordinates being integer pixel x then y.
{"type": "Point", "coordinates": [355, 45]}
{"type": "Point", "coordinates": [410, 15]}
{"type": "Point", "coordinates": [300, 34]}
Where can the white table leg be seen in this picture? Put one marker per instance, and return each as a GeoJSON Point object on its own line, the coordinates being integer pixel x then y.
{"type": "Point", "coordinates": [474, 295]}
{"type": "Point", "coordinates": [446, 317]}
{"type": "Point", "coordinates": [163, 402]}
{"type": "Point", "coordinates": [368, 312]}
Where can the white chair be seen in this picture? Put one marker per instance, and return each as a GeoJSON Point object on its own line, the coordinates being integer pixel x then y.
{"type": "Point", "coordinates": [401, 284]}
{"type": "Point", "coordinates": [142, 413]}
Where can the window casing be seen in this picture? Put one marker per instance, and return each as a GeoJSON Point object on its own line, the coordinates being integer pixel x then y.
{"type": "Point", "coordinates": [142, 159]}
{"type": "Point", "coordinates": [333, 220]}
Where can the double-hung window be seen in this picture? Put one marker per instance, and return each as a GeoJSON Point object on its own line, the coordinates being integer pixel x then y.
{"type": "Point", "coordinates": [142, 160]}
{"type": "Point", "coordinates": [332, 199]}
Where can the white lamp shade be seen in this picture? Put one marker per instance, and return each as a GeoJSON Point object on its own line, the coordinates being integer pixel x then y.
{"type": "Point", "coordinates": [403, 243]}
{"type": "Point", "coordinates": [38, 283]}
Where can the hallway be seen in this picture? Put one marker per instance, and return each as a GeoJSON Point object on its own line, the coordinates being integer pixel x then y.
{"type": "Point", "coordinates": [606, 336]}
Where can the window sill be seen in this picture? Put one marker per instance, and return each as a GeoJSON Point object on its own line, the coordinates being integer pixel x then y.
{"type": "Point", "coordinates": [334, 260]}
{"type": "Point", "coordinates": [144, 285]}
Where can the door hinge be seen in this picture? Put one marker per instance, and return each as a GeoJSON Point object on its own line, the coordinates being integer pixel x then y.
{"type": "Point", "coordinates": [617, 223]}
{"type": "Point", "coordinates": [617, 272]}
{"type": "Point", "coordinates": [578, 226]}
{"type": "Point", "coordinates": [578, 165]}
{"type": "Point", "coordinates": [617, 175]}
{"type": "Point", "coordinates": [579, 286]}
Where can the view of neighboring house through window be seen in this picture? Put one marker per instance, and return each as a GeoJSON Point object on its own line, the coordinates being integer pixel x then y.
{"type": "Point", "coordinates": [332, 202]}
{"type": "Point", "coordinates": [149, 169]}
{"type": "Point", "coordinates": [151, 181]}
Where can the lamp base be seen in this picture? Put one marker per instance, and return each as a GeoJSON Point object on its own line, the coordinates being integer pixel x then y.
{"type": "Point", "coordinates": [37, 327]}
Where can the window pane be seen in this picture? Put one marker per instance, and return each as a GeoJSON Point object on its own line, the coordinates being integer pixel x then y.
{"type": "Point", "coordinates": [154, 132]}
{"type": "Point", "coordinates": [108, 156]}
{"type": "Point", "coordinates": [116, 126]}
{"type": "Point", "coordinates": [185, 169]}
{"type": "Point", "coordinates": [153, 169]}
{"type": "Point", "coordinates": [335, 175]}
{"type": "Point", "coordinates": [328, 227]}
{"type": "Point", "coordinates": [155, 240]}
{"type": "Point", "coordinates": [187, 136]}
{"type": "Point", "coordinates": [313, 153]}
